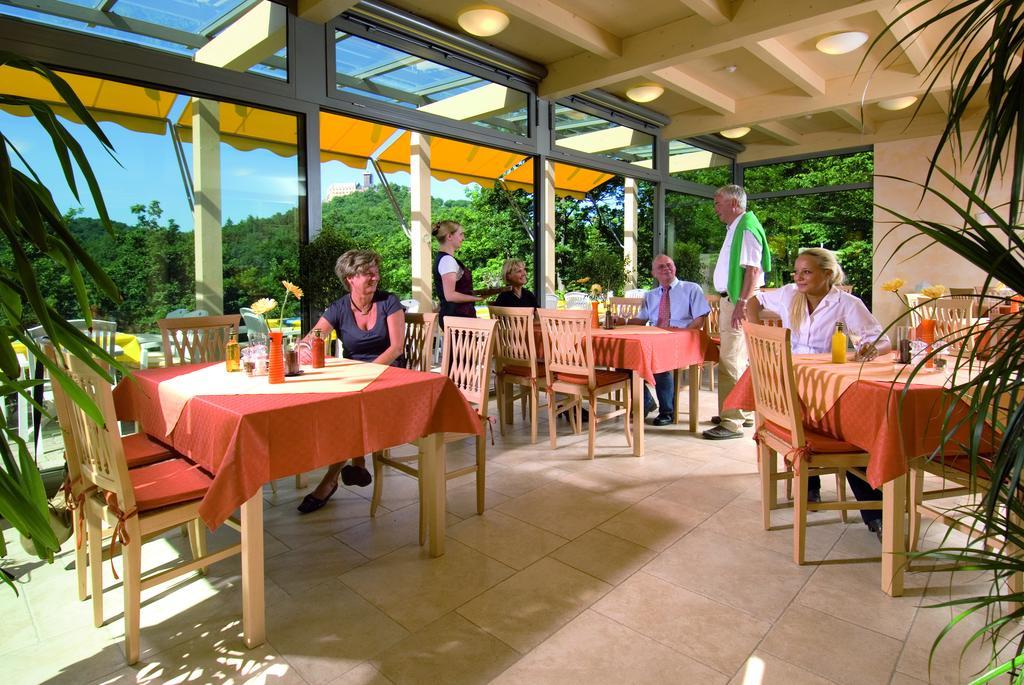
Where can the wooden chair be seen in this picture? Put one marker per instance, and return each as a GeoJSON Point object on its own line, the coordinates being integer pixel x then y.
{"type": "Point", "coordinates": [515, 357]}
{"type": "Point", "coordinates": [635, 292]}
{"type": "Point", "coordinates": [577, 300]}
{"type": "Point", "coordinates": [711, 327]}
{"type": "Point", "coordinates": [466, 360]}
{"type": "Point", "coordinates": [953, 316]}
{"type": "Point", "coordinates": [569, 369]}
{"type": "Point", "coordinates": [139, 450]}
{"type": "Point", "coordinates": [135, 505]}
{"type": "Point", "coordinates": [769, 318]}
{"type": "Point", "coordinates": [625, 307]}
{"type": "Point", "coordinates": [193, 340]}
{"type": "Point", "coordinates": [781, 430]}
{"type": "Point", "coordinates": [419, 340]}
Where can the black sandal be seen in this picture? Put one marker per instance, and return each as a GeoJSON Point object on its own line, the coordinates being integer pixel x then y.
{"type": "Point", "coordinates": [311, 502]}
{"type": "Point", "coordinates": [355, 475]}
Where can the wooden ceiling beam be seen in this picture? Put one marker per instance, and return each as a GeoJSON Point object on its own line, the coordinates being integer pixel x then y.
{"type": "Point", "coordinates": [780, 132]}
{"type": "Point", "coordinates": [856, 118]}
{"type": "Point", "coordinates": [565, 24]}
{"type": "Point", "coordinates": [716, 12]}
{"type": "Point", "coordinates": [679, 81]}
{"type": "Point", "coordinates": [916, 52]}
{"type": "Point", "coordinates": [839, 92]}
{"type": "Point", "coordinates": [782, 60]}
{"type": "Point", "coordinates": [691, 38]}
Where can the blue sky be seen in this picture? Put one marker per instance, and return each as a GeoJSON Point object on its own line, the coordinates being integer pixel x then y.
{"type": "Point", "coordinates": [257, 182]}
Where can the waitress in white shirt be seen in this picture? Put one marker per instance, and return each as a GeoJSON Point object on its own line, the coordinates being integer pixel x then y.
{"type": "Point", "coordinates": [810, 307]}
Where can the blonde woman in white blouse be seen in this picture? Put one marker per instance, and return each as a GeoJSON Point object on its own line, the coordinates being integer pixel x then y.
{"type": "Point", "coordinates": [812, 304]}
{"type": "Point", "coordinates": [810, 308]}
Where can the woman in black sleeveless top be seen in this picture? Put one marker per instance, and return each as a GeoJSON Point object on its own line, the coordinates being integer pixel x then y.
{"type": "Point", "coordinates": [453, 282]}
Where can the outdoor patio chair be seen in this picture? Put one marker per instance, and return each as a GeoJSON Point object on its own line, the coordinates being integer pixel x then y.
{"type": "Point", "coordinates": [569, 369]}
{"type": "Point", "coordinates": [466, 360]}
{"type": "Point", "coordinates": [136, 504]}
{"type": "Point", "coordinates": [515, 356]}
{"type": "Point", "coordinates": [412, 306]}
{"type": "Point", "coordinates": [577, 300]}
{"type": "Point", "coordinates": [781, 430]}
{"type": "Point", "coordinates": [197, 339]}
{"type": "Point", "coordinates": [625, 307]}
{"type": "Point", "coordinates": [419, 340]}
{"type": "Point", "coordinates": [636, 292]}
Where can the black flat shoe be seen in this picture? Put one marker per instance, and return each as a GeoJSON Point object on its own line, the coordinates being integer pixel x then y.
{"type": "Point", "coordinates": [662, 420]}
{"type": "Point", "coordinates": [355, 475]}
{"type": "Point", "coordinates": [311, 502]}
{"type": "Point", "coordinates": [875, 526]}
{"type": "Point", "coordinates": [814, 496]}
{"type": "Point", "coordinates": [721, 433]}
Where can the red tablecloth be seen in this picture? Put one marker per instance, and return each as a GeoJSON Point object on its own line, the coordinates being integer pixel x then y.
{"type": "Point", "coordinates": [249, 440]}
{"type": "Point", "coordinates": [648, 350]}
{"type": "Point", "coordinates": [892, 427]}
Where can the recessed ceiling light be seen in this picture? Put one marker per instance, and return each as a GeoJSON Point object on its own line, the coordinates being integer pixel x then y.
{"type": "Point", "coordinates": [731, 69]}
{"type": "Point", "coordinates": [737, 132]}
{"type": "Point", "coordinates": [896, 104]}
{"type": "Point", "coordinates": [645, 92]}
{"type": "Point", "coordinates": [841, 43]}
{"type": "Point", "coordinates": [483, 20]}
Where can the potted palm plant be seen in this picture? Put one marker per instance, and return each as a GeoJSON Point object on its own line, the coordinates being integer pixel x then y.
{"type": "Point", "coordinates": [981, 46]}
{"type": "Point", "coordinates": [35, 230]}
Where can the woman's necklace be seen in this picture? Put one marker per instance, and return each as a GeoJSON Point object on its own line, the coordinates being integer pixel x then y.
{"type": "Point", "coordinates": [360, 310]}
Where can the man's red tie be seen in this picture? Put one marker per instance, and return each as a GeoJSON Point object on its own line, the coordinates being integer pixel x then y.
{"type": "Point", "coordinates": [664, 309]}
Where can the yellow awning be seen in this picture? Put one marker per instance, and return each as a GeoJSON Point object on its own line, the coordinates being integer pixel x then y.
{"type": "Point", "coordinates": [454, 160]}
{"type": "Point", "coordinates": [134, 107]}
{"type": "Point", "coordinates": [570, 180]}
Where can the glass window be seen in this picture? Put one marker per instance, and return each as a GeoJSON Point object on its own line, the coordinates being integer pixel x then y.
{"type": "Point", "coordinates": [694, 236]}
{"type": "Point", "coordinates": [691, 163]}
{"type": "Point", "coordinates": [815, 172]}
{"type": "Point", "coordinates": [396, 77]}
{"type": "Point", "coordinates": [199, 29]}
{"type": "Point", "coordinates": [588, 133]}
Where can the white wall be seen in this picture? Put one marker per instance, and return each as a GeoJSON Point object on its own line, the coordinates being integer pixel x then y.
{"type": "Point", "coordinates": [908, 159]}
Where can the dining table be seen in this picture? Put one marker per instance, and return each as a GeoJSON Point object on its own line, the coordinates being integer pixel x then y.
{"type": "Point", "coordinates": [894, 412]}
{"type": "Point", "coordinates": [647, 350]}
{"type": "Point", "coordinates": [247, 432]}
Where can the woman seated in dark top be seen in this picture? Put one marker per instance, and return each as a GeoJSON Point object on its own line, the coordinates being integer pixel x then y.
{"type": "Point", "coordinates": [371, 326]}
{"type": "Point", "coordinates": [514, 273]}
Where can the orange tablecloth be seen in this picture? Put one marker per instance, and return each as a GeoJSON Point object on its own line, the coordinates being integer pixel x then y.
{"type": "Point", "coordinates": [648, 350]}
{"type": "Point", "coordinates": [862, 405]}
{"type": "Point", "coordinates": [249, 440]}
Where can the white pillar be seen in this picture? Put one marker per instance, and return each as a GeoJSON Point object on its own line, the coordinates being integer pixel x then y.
{"type": "Point", "coordinates": [629, 224]}
{"type": "Point", "coordinates": [419, 189]}
{"type": "Point", "coordinates": [207, 214]}
{"type": "Point", "coordinates": [549, 229]}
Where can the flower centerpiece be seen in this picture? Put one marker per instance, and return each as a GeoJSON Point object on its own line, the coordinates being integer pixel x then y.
{"type": "Point", "coordinates": [264, 305]}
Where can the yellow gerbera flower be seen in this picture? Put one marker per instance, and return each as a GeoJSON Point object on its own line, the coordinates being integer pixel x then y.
{"type": "Point", "coordinates": [596, 289]}
{"type": "Point", "coordinates": [934, 291]}
{"type": "Point", "coordinates": [585, 279]}
{"type": "Point", "coordinates": [894, 285]}
{"type": "Point", "coordinates": [263, 305]}
{"type": "Point", "coordinates": [293, 289]}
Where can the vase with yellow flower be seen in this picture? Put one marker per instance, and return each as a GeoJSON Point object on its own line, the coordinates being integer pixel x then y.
{"type": "Point", "coordinates": [596, 295]}
{"type": "Point", "coordinates": [922, 311]}
{"type": "Point", "coordinates": [275, 351]}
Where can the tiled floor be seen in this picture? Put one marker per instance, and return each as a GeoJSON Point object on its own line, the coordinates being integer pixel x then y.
{"type": "Point", "coordinates": [616, 570]}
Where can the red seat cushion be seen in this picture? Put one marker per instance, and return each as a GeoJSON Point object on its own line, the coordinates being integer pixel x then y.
{"type": "Point", "coordinates": [140, 449]}
{"type": "Point", "coordinates": [524, 371]}
{"type": "Point", "coordinates": [819, 443]}
{"type": "Point", "coordinates": [602, 377]}
{"type": "Point", "coordinates": [168, 482]}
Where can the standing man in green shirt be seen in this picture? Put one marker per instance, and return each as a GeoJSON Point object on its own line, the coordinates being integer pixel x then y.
{"type": "Point", "coordinates": [742, 264]}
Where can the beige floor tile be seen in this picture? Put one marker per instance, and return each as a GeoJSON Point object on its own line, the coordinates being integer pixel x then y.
{"type": "Point", "coordinates": [451, 650]}
{"type": "Point", "coordinates": [363, 674]}
{"type": "Point", "coordinates": [835, 649]}
{"type": "Point", "coordinates": [521, 478]}
{"type": "Point", "coordinates": [595, 650]}
{"type": "Point", "coordinates": [946, 666]}
{"type": "Point", "coordinates": [654, 467]}
{"type": "Point", "coordinates": [604, 556]}
{"type": "Point", "coordinates": [655, 522]}
{"type": "Point", "coordinates": [704, 492]}
{"type": "Point", "coordinates": [19, 631]}
{"type": "Point", "coordinates": [764, 669]}
{"type": "Point", "coordinates": [715, 634]}
{"type": "Point", "coordinates": [563, 509]}
{"type": "Point", "coordinates": [415, 590]}
{"type": "Point", "coordinates": [297, 570]}
{"type": "Point", "coordinates": [387, 531]}
{"type": "Point", "coordinates": [904, 679]}
{"type": "Point", "coordinates": [344, 510]}
{"type": "Point", "coordinates": [525, 609]}
{"type": "Point", "coordinates": [613, 484]}
{"type": "Point", "coordinates": [851, 592]}
{"type": "Point", "coordinates": [741, 520]}
{"type": "Point", "coordinates": [76, 657]}
{"type": "Point", "coordinates": [753, 579]}
{"type": "Point", "coordinates": [329, 631]}
{"type": "Point", "coordinates": [212, 658]}
{"type": "Point", "coordinates": [509, 540]}
{"type": "Point", "coordinates": [461, 501]}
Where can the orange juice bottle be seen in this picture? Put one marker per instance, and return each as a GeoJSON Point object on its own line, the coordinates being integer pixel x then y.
{"type": "Point", "coordinates": [839, 344]}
